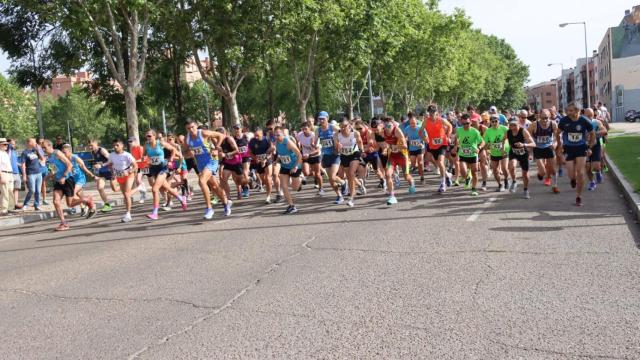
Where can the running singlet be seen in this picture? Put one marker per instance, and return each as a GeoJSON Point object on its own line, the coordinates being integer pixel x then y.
{"type": "Point", "coordinates": [517, 138]}
{"type": "Point", "coordinates": [78, 174]}
{"type": "Point", "coordinates": [414, 138]}
{"type": "Point", "coordinates": [243, 146]}
{"type": "Point", "coordinates": [136, 151]}
{"type": "Point", "coordinates": [305, 143]}
{"type": "Point", "coordinates": [287, 158]}
{"type": "Point", "coordinates": [349, 143]}
{"type": "Point", "coordinates": [494, 137]}
{"type": "Point", "coordinates": [468, 141]}
{"type": "Point", "coordinates": [326, 141]}
{"type": "Point", "coordinates": [200, 150]}
{"type": "Point", "coordinates": [155, 154]}
{"type": "Point", "coordinates": [226, 149]}
{"type": "Point", "coordinates": [59, 166]}
{"type": "Point", "coordinates": [392, 140]}
{"type": "Point", "coordinates": [98, 158]}
{"type": "Point", "coordinates": [543, 137]}
{"type": "Point", "coordinates": [437, 134]}
{"type": "Point", "coordinates": [574, 133]}
{"type": "Point", "coordinates": [259, 148]}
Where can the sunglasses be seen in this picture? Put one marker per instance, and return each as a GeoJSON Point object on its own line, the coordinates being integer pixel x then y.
{"type": "Point", "coordinates": [493, 121]}
{"type": "Point", "coordinates": [149, 136]}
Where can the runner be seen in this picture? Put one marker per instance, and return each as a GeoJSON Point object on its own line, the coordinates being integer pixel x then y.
{"type": "Point", "coordinates": [578, 140]}
{"type": "Point", "coordinates": [495, 138]}
{"type": "Point", "coordinates": [44, 170]}
{"type": "Point", "coordinates": [124, 167]}
{"type": "Point", "coordinates": [482, 155]}
{"type": "Point", "coordinates": [79, 171]}
{"type": "Point", "coordinates": [142, 165]}
{"type": "Point", "coordinates": [467, 146]}
{"type": "Point", "coordinates": [291, 159]}
{"type": "Point", "coordinates": [416, 138]}
{"type": "Point", "coordinates": [330, 160]}
{"type": "Point", "coordinates": [231, 163]}
{"type": "Point", "coordinates": [308, 143]}
{"type": "Point", "coordinates": [519, 141]}
{"type": "Point", "coordinates": [64, 186]}
{"type": "Point", "coordinates": [100, 156]}
{"type": "Point", "coordinates": [370, 155]}
{"type": "Point", "coordinates": [543, 132]}
{"type": "Point", "coordinates": [594, 161]}
{"type": "Point", "coordinates": [261, 149]}
{"type": "Point", "coordinates": [396, 152]}
{"type": "Point", "coordinates": [348, 144]}
{"type": "Point", "coordinates": [438, 132]}
{"type": "Point", "coordinates": [158, 171]}
{"type": "Point", "coordinates": [242, 141]}
{"type": "Point", "coordinates": [207, 167]}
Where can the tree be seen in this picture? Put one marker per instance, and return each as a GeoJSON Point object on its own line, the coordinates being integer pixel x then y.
{"type": "Point", "coordinates": [17, 113]}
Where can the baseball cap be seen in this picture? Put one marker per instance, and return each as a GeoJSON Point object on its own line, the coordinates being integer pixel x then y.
{"type": "Point", "coordinates": [494, 117]}
{"type": "Point", "coordinates": [323, 115]}
{"type": "Point", "coordinates": [493, 109]}
{"type": "Point", "coordinates": [513, 122]}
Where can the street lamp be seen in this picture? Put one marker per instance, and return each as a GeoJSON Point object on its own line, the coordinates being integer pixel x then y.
{"type": "Point", "coordinates": [586, 55]}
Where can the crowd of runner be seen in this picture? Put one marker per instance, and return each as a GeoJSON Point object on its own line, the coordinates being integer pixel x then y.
{"type": "Point", "coordinates": [336, 158]}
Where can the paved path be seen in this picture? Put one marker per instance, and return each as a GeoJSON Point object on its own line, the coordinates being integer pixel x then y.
{"type": "Point", "coordinates": [441, 277]}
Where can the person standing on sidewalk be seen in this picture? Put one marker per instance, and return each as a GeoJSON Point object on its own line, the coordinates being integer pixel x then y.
{"type": "Point", "coordinates": [7, 203]}
{"type": "Point", "coordinates": [17, 177]}
{"type": "Point", "coordinates": [31, 173]}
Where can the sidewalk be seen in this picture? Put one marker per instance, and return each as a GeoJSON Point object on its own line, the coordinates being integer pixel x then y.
{"type": "Point", "coordinates": [627, 190]}
{"type": "Point", "coordinates": [48, 211]}
{"type": "Point", "coordinates": [620, 128]}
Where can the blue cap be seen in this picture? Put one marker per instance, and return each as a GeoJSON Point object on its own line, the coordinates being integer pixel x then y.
{"type": "Point", "coordinates": [323, 114]}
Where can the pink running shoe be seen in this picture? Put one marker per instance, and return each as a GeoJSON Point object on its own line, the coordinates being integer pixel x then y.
{"type": "Point", "coordinates": [153, 216]}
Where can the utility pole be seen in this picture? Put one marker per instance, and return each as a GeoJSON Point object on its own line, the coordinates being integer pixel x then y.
{"type": "Point", "coordinates": [370, 93]}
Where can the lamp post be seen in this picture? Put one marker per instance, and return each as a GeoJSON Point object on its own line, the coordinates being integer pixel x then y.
{"type": "Point", "coordinates": [586, 55]}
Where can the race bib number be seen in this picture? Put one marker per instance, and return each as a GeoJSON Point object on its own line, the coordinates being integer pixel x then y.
{"type": "Point", "coordinates": [467, 152]}
{"type": "Point", "coordinates": [120, 173]}
{"type": "Point", "coordinates": [284, 159]}
{"type": "Point", "coordinates": [496, 146]}
{"type": "Point", "coordinates": [156, 160]}
{"type": "Point", "coordinates": [145, 171]}
{"type": "Point", "coordinates": [346, 150]}
{"type": "Point", "coordinates": [262, 157]}
{"type": "Point", "coordinates": [242, 149]}
{"type": "Point", "coordinates": [415, 143]}
{"type": "Point", "coordinates": [394, 148]}
{"type": "Point", "coordinates": [436, 141]}
{"type": "Point", "coordinates": [32, 156]}
{"type": "Point", "coordinates": [326, 143]}
{"type": "Point", "coordinates": [543, 139]}
{"type": "Point", "coordinates": [519, 151]}
{"type": "Point", "coordinates": [228, 156]}
{"type": "Point", "coordinates": [575, 137]}
{"type": "Point", "coordinates": [197, 150]}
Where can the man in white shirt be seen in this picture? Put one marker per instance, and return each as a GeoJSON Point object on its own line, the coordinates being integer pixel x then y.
{"type": "Point", "coordinates": [7, 203]}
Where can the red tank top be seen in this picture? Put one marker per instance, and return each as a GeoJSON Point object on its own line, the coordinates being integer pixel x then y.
{"type": "Point", "coordinates": [437, 135]}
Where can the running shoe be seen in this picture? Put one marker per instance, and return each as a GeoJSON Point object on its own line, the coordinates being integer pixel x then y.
{"type": "Point", "coordinates": [92, 208]}
{"type": "Point", "coordinates": [245, 192]}
{"type": "Point", "coordinates": [106, 208]}
{"type": "Point", "coordinates": [467, 183]}
{"type": "Point", "coordinates": [183, 203]}
{"type": "Point", "coordinates": [412, 189]}
{"type": "Point", "coordinates": [303, 181]}
{"type": "Point", "coordinates": [83, 211]}
{"type": "Point", "coordinates": [278, 198]}
{"type": "Point", "coordinates": [578, 201]}
{"type": "Point", "coordinates": [45, 202]}
{"type": "Point", "coordinates": [339, 200]}
{"type": "Point", "coordinates": [344, 188]}
{"type": "Point", "coordinates": [321, 192]}
{"type": "Point", "coordinates": [215, 200]}
{"type": "Point", "coordinates": [227, 208]}
{"type": "Point", "coordinates": [547, 182]}
{"type": "Point", "coordinates": [573, 183]}
{"type": "Point", "coordinates": [442, 188]}
{"type": "Point", "coordinates": [592, 186]}
{"type": "Point", "coordinates": [500, 188]}
{"type": "Point", "coordinates": [350, 203]}
{"type": "Point", "coordinates": [560, 172]}
{"type": "Point", "coordinates": [392, 200]}
{"type": "Point", "coordinates": [605, 168]}
{"type": "Point", "coordinates": [143, 196]}
{"type": "Point", "coordinates": [72, 211]}
{"type": "Point", "coordinates": [599, 177]}
{"type": "Point", "coordinates": [126, 218]}
{"type": "Point", "coordinates": [484, 186]}
{"type": "Point", "coordinates": [456, 183]}
{"type": "Point", "coordinates": [190, 196]}
{"type": "Point", "coordinates": [447, 181]}
{"type": "Point", "coordinates": [526, 195]}
{"type": "Point", "coordinates": [540, 177]}
{"type": "Point", "coordinates": [208, 214]}
{"type": "Point", "coordinates": [153, 216]}
{"type": "Point", "coordinates": [363, 189]}
{"type": "Point", "coordinates": [513, 187]}
{"type": "Point", "coordinates": [268, 200]}
{"type": "Point", "coordinates": [381, 184]}
{"type": "Point", "coordinates": [396, 181]}
{"type": "Point", "coordinates": [438, 171]}
{"type": "Point", "coordinates": [165, 207]}
{"type": "Point", "coordinates": [474, 192]}
{"type": "Point", "coordinates": [62, 227]}
{"type": "Point", "coordinates": [291, 209]}
{"type": "Point", "coordinates": [555, 189]}
{"type": "Point", "coordinates": [422, 180]}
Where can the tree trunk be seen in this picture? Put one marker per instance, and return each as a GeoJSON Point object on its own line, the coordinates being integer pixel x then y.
{"type": "Point", "coordinates": [132, 114]}
{"type": "Point", "coordinates": [302, 108]}
{"type": "Point", "coordinates": [232, 106]}
{"type": "Point", "coordinates": [316, 96]}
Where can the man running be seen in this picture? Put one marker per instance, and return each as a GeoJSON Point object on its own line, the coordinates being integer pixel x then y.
{"type": "Point", "coordinates": [100, 156]}
{"type": "Point", "coordinates": [520, 142]}
{"type": "Point", "coordinates": [495, 138]}
{"type": "Point", "coordinates": [348, 144]}
{"type": "Point", "coordinates": [195, 143]}
{"type": "Point", "coordinates": [416, 139]}
{"type": "Point", "coordinates": [261, 150]}
{"type": "Point", "coordinates": [543, 132]}
{"type": "Point", "coordinates": [142, 166]}
{"type": "Point", "coordinates": [242, 141]}
{"type": "Point", "coordinates": [594, 161]}
{"type": "Point", "coordinates": [330, 160]}
{"type": "Point", "coordinates": [578, 140]}
{"type": "Point", "coordinates": [396, 151]}
{"type": "Point", "coordinates": [438, 132]}
{"type": "Point", "coordinates": [290, 158]}
{"type": "Point", "coordinates": [308, 143]}
{"type": "Point", "coordinates": [64, 186]}
{"type": "Point", "coordinates": [467, 146]}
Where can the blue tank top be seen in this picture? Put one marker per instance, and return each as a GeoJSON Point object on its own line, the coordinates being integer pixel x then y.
{"type": "Point", "coordinates": [78, 174]}
{"type": "Point", "coordinates": [60, 167]}
{"type": "Point", "coordinates": [596, 128]}
{"type": "Point", "coordinates": [544, 137]}
{"type": "Point", "coordinates": [199, 150]}
{"type": "Point", "coordinates": [574, 133]}
{"type": "Point", "coordinates": [287, 158]}
{"type": "Point", "coordinates": [156, 154]}
{"type": "Point", "coordinates": [326, 141]}
{"type": "Point", "coordinates": [414, 138]}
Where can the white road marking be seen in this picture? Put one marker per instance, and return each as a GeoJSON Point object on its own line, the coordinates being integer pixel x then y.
{"type": "Point", "coordinates": [7, 238]}
{"type": "Point", "coordinates": [476, 214]}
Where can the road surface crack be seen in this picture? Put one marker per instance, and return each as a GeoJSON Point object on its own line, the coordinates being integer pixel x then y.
{"type": "Point", "coordinates": [555, 352]}
{"type": "Point", "coordinates": [226, 305]}
{"type": "Point", "coordinates": [105, 299]}
{"type": "Point", "coordinates": [456, 252]}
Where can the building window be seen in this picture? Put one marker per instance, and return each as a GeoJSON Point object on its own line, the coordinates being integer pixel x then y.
{"type": "Point", "coordinates": [58, 86]}
{"type": "Point", "coordinates": [548, 94]}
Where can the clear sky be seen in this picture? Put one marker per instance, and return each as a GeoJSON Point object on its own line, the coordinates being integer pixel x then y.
{"type": "Point", "coordinates": [531, 27]}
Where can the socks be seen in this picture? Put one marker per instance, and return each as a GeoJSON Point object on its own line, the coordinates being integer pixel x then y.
{"type": "Point", "coordinates": [155, 211]}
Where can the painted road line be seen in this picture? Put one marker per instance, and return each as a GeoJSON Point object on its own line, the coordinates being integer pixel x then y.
{"type": "Point", "coordinates": [476, 214]}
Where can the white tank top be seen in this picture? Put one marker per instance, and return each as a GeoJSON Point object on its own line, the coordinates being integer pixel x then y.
{"type": "Point", "coordinates": [349, 143]}
{"type": "Point", "coordinates": [305, 143]}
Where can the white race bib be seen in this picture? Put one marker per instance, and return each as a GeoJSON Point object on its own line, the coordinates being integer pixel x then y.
{"type": "Point", "coordinates": [543, 139]}
{"type": "Point", "coordinates": [519, 151]}
{"type": "Point", "coordinates": [145, 171]}
{"type": "Point", "coordinates": [242, 149]}
{"type": "Point", "coordinates": [326, 143]}
{"type": "Point", "coordinates": [156, 160]}
{"type": "Point", "coordinates": [496, 146]}
{"type": "Point", "coordinates": [197, 150]}
{"type": "Point", "coordinates": [261, 157]}
{"type": "Point", "coordinates": [394, 148]}
{"type": "Point", "coordinates": [346, 150]}
{"type": "Point", "coordinates": [415, 143]}
{"type": "Point", "coordinates": [467, 152]}
{"type": "Point", "coordinates": [120, 173]}
{"type": "Point", "coordinates": [284, 159]}
{"type": "Point", "coordinates": [574, 137]}
{"type": "Point", "coordinates": [436, 141]}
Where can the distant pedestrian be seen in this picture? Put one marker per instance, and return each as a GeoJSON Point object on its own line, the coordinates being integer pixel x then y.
{"type": "Point", "coordinates": [15, 168]}
{"type": "Point", "coordinates": [31, 159]}
{"type": "Point", "coordinates": [7, 203]}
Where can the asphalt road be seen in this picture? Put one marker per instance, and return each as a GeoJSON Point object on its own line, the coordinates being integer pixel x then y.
{"type": "Point", "coordinates": [439, 277]}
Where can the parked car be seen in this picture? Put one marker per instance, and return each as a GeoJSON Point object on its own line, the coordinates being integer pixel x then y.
{"type": "Point", "coordinates": [632, 116]}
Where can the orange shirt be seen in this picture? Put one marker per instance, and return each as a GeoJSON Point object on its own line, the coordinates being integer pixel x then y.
{"type": "Point", "coordinates": [436, 132]}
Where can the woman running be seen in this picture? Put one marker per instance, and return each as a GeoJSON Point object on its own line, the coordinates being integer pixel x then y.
{"type": "Point", "coordinates": [290, 159]}
{"type": "Point", "coordinates": [348, 144]}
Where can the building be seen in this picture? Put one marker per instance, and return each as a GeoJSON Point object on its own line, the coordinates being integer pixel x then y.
{"type": "Point", "coordinates": [580, 80]}
{"type": "Point", "coordinates": [62, 84]}
{"type": "Point", "coordinates": [190, 72]}
{"type": "Point", "coordinates": [619, 66]}
{"type": "Point", "coordinates": [543, 95]}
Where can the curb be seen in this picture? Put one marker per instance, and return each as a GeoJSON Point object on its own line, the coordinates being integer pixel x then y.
{"type": "Point", "coordinates": [629, 194]}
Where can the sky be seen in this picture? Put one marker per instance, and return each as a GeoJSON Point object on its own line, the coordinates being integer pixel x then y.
{"type": "Point", "coordinates": [531, 27]}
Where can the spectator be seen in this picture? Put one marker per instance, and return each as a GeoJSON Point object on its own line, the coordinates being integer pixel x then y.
{"type": "Point", "coordinates": [59, 143]}
{"type": "Point", "coordinates": [31, 173]}
{"type": "Point", "coordinates": [17, 177]}
{"type": "Point", "coordinates": [7, 203]}
{"type": "Point", "coordinates": [44, 170]}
